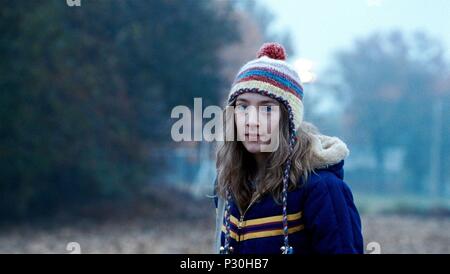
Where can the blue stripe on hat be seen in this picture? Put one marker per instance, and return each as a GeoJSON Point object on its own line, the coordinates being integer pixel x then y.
{"type": "Point", "coordinates": [282, 80]}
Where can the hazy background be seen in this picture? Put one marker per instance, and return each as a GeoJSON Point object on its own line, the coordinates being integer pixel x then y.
{"type": "Point", "coordinates": [86, 155]}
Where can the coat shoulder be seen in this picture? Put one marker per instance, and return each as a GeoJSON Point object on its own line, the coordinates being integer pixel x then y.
{"type": "Point", "coordinates": [324, 180]}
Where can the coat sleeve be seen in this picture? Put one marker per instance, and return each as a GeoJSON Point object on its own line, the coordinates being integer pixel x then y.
{"type": "Point", "coordinates": [331, 217]}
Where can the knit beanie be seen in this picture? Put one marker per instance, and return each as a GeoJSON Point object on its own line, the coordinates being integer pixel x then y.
{"type": "Point", "coordinates": [270, 75]}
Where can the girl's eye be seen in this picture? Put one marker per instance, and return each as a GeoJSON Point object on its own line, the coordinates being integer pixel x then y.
{"type": "Point", "coordinates": [267, 109]}
{"type": "Point", "coordinates": [241, 107]}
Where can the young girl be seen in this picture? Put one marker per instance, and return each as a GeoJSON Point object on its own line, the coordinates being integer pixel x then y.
{"type": "Point", "coordinates": [291, 199]}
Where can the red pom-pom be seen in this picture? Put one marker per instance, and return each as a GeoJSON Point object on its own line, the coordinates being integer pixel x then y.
{"type": "Point", "coordinates": [272, 50]}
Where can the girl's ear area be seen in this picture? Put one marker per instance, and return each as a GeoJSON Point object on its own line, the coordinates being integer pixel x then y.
{"type": "Point", "coordinates": [309, 127]}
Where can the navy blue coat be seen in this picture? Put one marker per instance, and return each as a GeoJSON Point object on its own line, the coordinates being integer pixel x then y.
{"type": "Point", "coordinates": [322, 219]}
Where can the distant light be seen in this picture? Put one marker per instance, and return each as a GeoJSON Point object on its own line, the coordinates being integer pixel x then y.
{"type": "Point", "coordinates": [304, 69]}
{"type": "Point", "coordinates": [308, 77]}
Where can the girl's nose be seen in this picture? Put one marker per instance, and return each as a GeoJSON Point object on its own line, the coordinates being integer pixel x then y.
{"type": "Point", "coordinates": [252, 118]}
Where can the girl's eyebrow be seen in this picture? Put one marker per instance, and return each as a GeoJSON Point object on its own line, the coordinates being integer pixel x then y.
{"type": "Point", "coordinates": [267, 102]}
{"type": "Point", "coordinates": [242, 100]}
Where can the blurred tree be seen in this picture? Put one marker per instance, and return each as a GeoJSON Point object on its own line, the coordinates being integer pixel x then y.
{"type": "Point", "coordinates": [86, 92]}
{"type": "Point", "coordinates": [389, 85]}
{"type": "Point", "coordinates": [253, 24]}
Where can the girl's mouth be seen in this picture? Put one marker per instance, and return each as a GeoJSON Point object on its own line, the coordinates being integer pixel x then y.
{"type": "Point", "coordinates": [253, 138]}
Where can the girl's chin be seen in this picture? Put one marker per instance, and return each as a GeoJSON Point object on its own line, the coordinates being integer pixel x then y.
{"type": "Point", "coordinates": [253, 147]}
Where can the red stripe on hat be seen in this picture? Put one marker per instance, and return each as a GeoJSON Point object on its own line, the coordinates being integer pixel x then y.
{"type": "Point", "coordinates": [276, 72]}
{"type": "Point", "coordinates": [269, 81]}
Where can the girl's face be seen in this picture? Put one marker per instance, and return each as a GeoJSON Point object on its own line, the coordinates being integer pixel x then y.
{"type": "Point", "coordinates": [257, 120]}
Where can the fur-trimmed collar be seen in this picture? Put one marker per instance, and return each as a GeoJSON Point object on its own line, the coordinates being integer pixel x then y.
{"type": "Point", "coordinates": [327, 150]}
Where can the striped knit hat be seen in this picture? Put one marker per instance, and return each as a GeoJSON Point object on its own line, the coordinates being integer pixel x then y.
{"type": "Point", "coordinates": [271, 76]}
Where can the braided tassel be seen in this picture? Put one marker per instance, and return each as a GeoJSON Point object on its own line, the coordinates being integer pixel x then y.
{"type": "Point", "coordinates": [226, 248]}
{"type": "Point", "coordinates": [287, 249]}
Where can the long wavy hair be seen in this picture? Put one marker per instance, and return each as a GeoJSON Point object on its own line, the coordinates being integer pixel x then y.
{"type": "Point", "coordinates": [236, 167]}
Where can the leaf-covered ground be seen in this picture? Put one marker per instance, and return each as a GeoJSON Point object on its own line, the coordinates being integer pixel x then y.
{"type": "Point", "coordinates": [187, 226]}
